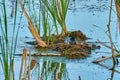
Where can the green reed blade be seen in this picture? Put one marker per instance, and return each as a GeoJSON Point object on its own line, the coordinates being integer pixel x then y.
{"type": "Point", "coordinates": [2, 30]}
{"type": "Point", "coordinates": [5, 20]}
{"type": "Point", "coordinates": [7, 56]}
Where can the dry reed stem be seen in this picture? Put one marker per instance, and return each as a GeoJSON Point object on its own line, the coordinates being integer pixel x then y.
{"type": "Point", "coordinates": [118, 12]}
{"type": "Point", "coordinates": [102, 59]}
{"type": "Point", "coordinates": [111, 42]}
{"type": "Point", "coordinates": [41, 54]}
{"type": "Point", "coordinates": [23, 63]}
{"type": "Point", "coordinates": [32, 28]}
{"type": "Point", "coordinates": [110, 35]}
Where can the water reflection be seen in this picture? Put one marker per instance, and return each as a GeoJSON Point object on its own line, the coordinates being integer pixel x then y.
{"type": "Point", "coordinates": [50, 70]}
{"type": "Point", "coordinates": [113, 70]}
{"type": "Point", "coordinates": [112, 73]}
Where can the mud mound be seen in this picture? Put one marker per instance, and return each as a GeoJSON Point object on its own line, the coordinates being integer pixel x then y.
{"type": "Point", "coordinates": [71, 45]}
{"type": "Point", "coordinates": [74, 50]}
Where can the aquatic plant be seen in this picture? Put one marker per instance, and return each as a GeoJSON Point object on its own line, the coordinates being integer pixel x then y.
{"type": "Point", "coordinates": [7, 46]}
{"type": "Point", "coordinates": [46, 24]}
{"type": "Point", "coordinates": [47, 19]}
{"type": "Point", "coordinates": [58, 10]}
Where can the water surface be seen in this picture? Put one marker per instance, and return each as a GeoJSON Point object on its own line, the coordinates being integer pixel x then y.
{"type": "Point", "coordinates": [89, 16]}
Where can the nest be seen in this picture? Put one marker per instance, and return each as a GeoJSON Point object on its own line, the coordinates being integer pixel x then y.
{"type": "Point", "coordinates": [77, 48]}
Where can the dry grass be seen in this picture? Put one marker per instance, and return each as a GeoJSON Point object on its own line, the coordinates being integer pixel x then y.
{"type": "Point", "coordinates": [32, 28]}
{"type": "Point", "coordinates": [23, 63]}
{"type": "Point", "coordinates": [118, 12]}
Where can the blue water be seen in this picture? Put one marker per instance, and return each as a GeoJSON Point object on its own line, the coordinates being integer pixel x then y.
{"type": "Point", "coordinates": [89, 16]}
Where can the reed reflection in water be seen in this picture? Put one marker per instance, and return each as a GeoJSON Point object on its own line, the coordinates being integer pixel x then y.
{"type": "Point", "coordinates": [49, 70]}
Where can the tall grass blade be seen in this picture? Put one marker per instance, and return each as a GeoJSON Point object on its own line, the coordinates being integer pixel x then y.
{"type": "Point", "coordinates": [58, 10]}
{"type": "Point", "coordinates": [8, 50]}
{"type": "Point", "coordinates": [4, 44]}
{"type": "Point", "coordinates": [51, 9]}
